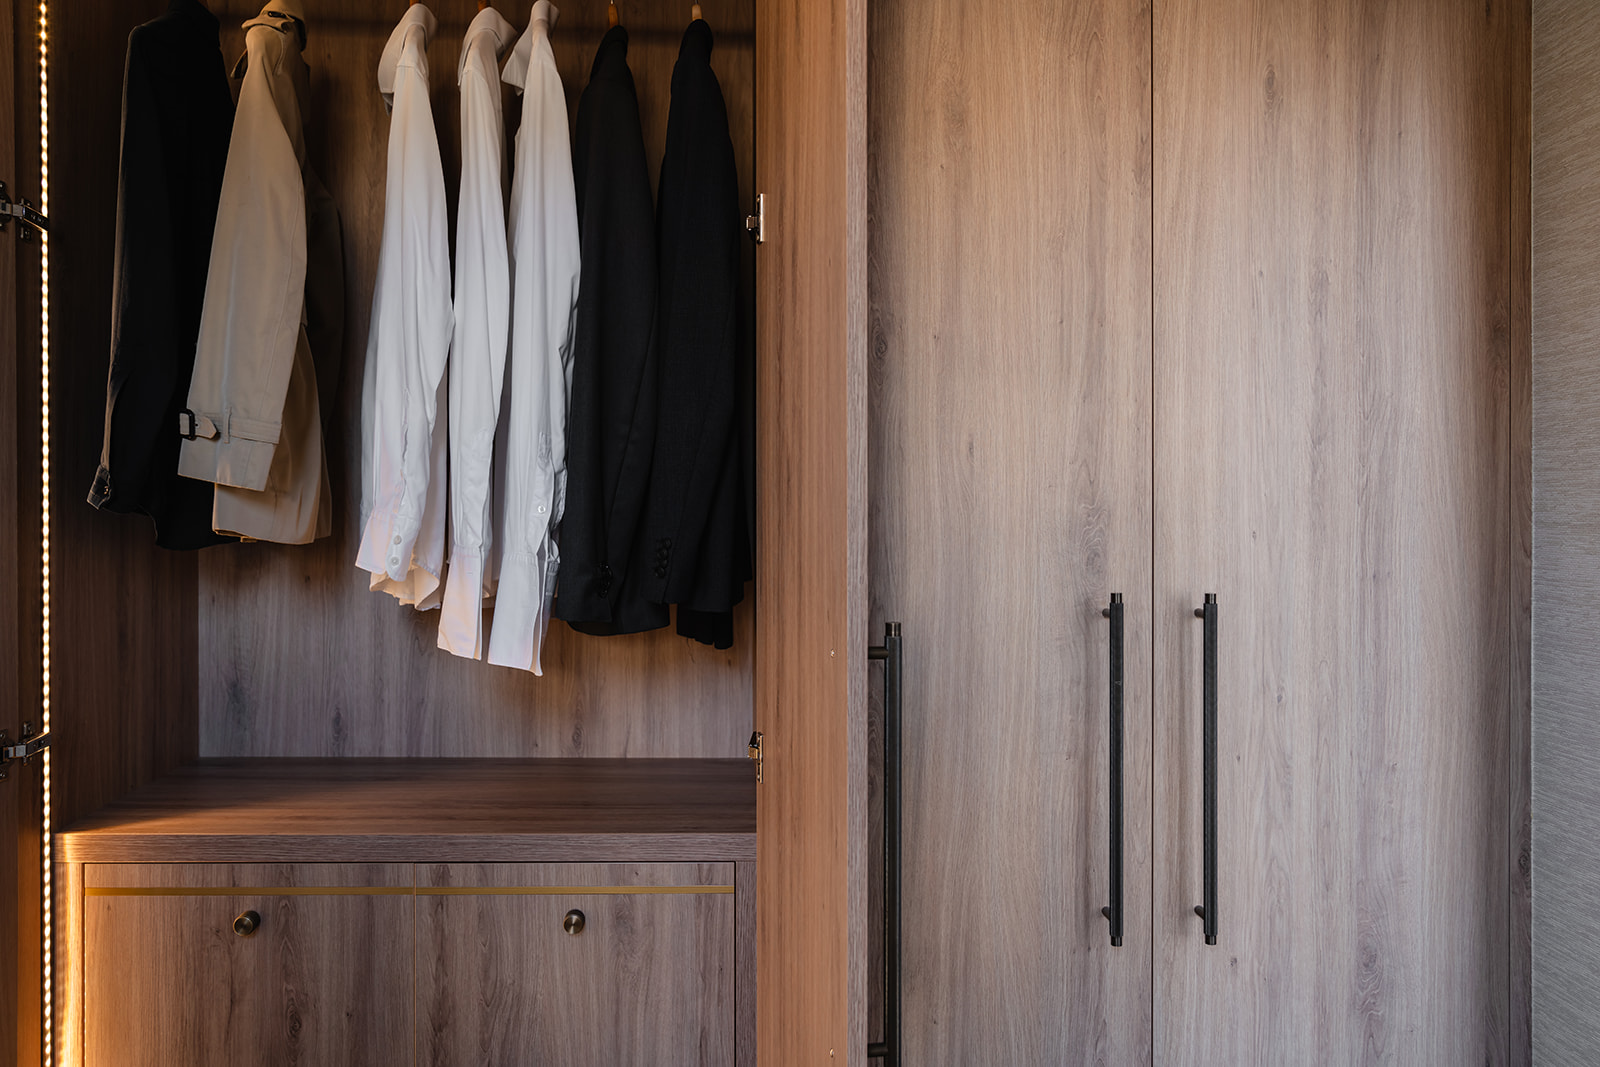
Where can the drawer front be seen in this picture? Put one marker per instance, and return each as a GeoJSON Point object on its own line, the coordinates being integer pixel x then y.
{"type": "Point", "coordinates": [504, 976]}
{"type": "Point", "coordinates": [324, 977]}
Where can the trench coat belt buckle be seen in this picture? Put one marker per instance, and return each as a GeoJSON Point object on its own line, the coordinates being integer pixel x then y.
{"type": "Point", "coordinates": [191, 426]}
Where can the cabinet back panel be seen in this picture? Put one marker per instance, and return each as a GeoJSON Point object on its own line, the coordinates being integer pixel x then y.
{"type": "Point", "coordinates": [297, 656]}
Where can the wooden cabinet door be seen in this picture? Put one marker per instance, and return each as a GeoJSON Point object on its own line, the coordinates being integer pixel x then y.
{"type": "Point", "coordinates": [811, 519]}
{"type": "Point", "coordinates": [504, 980]}
{"type": "Point", "coordinates": [1333, 359]}
{"type": "Point", "coordinates": [325, 978]}
{"type": "Point", "coordinates": [1011, 483]}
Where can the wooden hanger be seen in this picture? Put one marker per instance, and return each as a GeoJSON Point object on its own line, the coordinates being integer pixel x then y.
{"type": "Point", "coordinates": [611, 14]}
{"type": "Point", "coordinates": [484, 5]}
{"type": "Point", "coordinates": [694, 13]}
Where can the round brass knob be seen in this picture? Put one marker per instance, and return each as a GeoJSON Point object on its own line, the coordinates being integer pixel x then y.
{"type": "Point", "coordinates": [573, 923]}
{"type": "Point", "coordinates": [247, 924]}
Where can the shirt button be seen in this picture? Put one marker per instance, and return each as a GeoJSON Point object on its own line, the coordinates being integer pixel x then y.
{"type": "Point", "coordinates": [397, 539]}
{"type": "Point", "coordinates": [540, 509]}
{"type": "Point", "coordinates": [394, 561]}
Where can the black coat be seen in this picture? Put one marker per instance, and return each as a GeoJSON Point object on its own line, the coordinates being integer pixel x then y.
{"type": "Point", "coordinates": [177, 115]}
{"type": "Point", "coordinates": [611, 419]}
{"type": "Point", "coordinates": [693, 548]}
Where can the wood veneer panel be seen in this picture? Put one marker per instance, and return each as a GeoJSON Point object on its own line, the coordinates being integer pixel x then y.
{"type": "Point", "coordinates": [298, 657]}
{"type": "Point", "coordinates": [811, 669]}
{"type": "Point", "coordinates": [1518, 788]}
{"type": "Point", "coordinates": [326, 979]}
{"type": "Point", "coordinates": [427, 811]}
{"type": "Point", "coordinates": [1333, 361]}
{"type": "Point", "coordinates": [1566, 523]}
{"type": "Point", "coordinates": [1010, 465]}
{"type": "Point", "coordinates": [20, 878]}
{"type": "Point", "coordinates": [649, 980]}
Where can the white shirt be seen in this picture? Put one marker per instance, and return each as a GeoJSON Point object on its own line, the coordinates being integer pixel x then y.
{"type": "Point", "coordinates": [544, 294]}
{"type": "Point", "coordinates": [483, 324]}
{"type": "Point", "coordinates": [403, 412]}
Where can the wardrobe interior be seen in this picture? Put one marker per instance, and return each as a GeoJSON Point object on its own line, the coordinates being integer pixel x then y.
{"type": "Point", "coordinates": [262, 650]}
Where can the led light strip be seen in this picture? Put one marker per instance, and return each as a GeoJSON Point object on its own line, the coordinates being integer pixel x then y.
{"type": "Point", "coordinates": [47, 935]}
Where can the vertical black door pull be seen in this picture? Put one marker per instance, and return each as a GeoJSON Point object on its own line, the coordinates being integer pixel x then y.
{"type": "Point", "coordinates": [1208, 728]}
{"type": "Point", "coordinates": [1113, 911]}
{"type": "Point", "coordinates": [888, 1050]}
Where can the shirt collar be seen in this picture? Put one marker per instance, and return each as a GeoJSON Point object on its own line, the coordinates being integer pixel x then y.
{"type": "Point", "coordinates": [540, 23]}
{"type": "Point", "coordinates": [490, 22]}
{"type": "Point", "coordinates": [389, 62]}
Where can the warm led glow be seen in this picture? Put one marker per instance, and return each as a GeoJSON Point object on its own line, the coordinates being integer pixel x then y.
{"type": "Point", "coordinates": [47, 934]}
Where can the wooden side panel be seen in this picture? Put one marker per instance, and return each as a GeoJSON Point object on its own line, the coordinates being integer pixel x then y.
{"type": "Point", "coordinates": [272, 681]}
{"type": "Point", "coordinates": [325, 979]}
{"type": "Point", "coordinates": [1566, 522]}
{"type": "Point", "coordinates": [1333, 367]}
{"type": "Point", "coordinates": [744, 964]}
{"type": "Point", "coordinates": [68, 1003]}
{"type": "Point", "coordinates": [811, 667]}
{"type": "Point", "coordinates": [21, 968]}
{"type": "Point", "coordinates": [1011, 487]}
{"type": "Point", "coordinates": [649, 978]}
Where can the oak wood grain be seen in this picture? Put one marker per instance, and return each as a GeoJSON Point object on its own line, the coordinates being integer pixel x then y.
{"type": "Point", "coordinates": [1518, 788]}
{"type": "Point", "coordinates": [298, 657]}
{"type": "Point", "coordinates": [811, 664]}
{"type": "Point", "coordinates": [1566, 529]}
{"type": "Point", "coordinates": [1333, 278]}
{"type": "Point", "coordinates": [744, 963]}
{"type": "Point", "coordinates": [648, 980]}
{"type": "Point", "coordinates": [68, 1003]}
{"type": "Point", "coordinates": [428, 811]}
{"type": "Point", "coordinates": [326, 979]}
{"type": "Point", "coordinates": [20, 836]}
{"type": "Point", "coordinates": [1011, 474]}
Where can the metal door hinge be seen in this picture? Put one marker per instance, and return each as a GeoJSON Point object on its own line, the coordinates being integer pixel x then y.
{"type": "Point", "coordinates": [757, 224]}
{"type": "Point", "coordinates": [754, 752]}
{"type": "Point", "coordinates": [23, 211]}
{"type": "Point", "coordinates": [24, 750]}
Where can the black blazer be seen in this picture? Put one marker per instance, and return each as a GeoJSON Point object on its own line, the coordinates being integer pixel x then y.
{"type": "Point", "coordinates": [693, 548]}
{"type": "Point", "coordinates": [611, 418]}
{"type": "Point", "coordinates": [177, 115]}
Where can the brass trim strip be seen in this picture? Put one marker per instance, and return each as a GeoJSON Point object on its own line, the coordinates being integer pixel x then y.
{"type": "Point", "coordinates": [565, 890]}
{"type": "Point", "coordinates": [249, 891]}
{"type": "Point", "coordinates": [393, 891]}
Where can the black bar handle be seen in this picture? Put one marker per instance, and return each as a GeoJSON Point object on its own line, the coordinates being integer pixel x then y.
{"type": "Point", "coordinates": [888, 1050]}
{"type": "Point", "coordinates": [1113, 911]}
{"type": "Point", "coordinates": [1208, 688]}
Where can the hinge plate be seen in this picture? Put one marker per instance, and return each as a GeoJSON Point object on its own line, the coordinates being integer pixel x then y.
{"type": "Point", "coordinates": [23, 211]}
{"type": "Point", "coordinates": [23, 750]}
{"type": "Point", "coordinates": [753, 750]}
{"type": "Point", "coordinates": [756, 225]}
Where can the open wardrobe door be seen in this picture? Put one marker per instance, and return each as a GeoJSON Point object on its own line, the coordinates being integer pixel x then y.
{"type": "Point", "coordinates": [811, 633]}
{"type": "Point", "coordinates": [23, 781]}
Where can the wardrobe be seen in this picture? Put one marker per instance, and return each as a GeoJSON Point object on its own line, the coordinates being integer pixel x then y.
{"type": "Point", "coordinates": [268, 794]}
{"type": "Point", "coordinates": [1065, 319]}
{"type": "Point", "coordinates": [1219, 311]}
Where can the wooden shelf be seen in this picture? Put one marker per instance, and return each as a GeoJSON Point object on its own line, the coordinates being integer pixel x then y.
{"type": "Point", "coordinates": [426, 811]}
